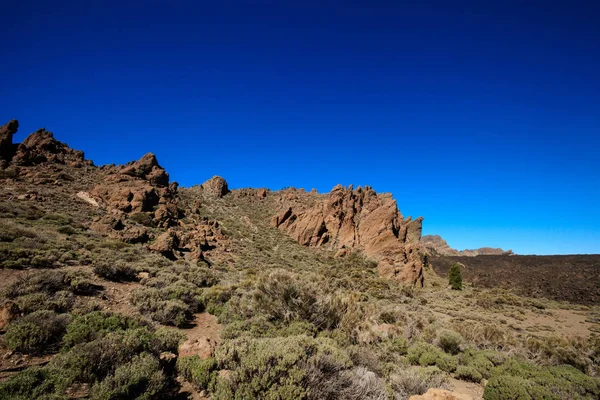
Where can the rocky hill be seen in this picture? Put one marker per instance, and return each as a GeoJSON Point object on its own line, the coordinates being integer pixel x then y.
{"type": "Point", "coordinates": [116, 283]}
{"type": "Point", "coordinates": [437, 245]}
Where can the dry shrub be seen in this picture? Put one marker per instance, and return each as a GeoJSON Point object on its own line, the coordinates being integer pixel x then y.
{"type": "Point", "coordinates": [284, 296]}
{"type": "Point", "coordinates": [485, 336]}
{"type": "Point", "coordinates": [415, 380]}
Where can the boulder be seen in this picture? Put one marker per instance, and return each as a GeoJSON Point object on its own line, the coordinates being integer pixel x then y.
{"type": "Point", "coordinates": [215, 187]}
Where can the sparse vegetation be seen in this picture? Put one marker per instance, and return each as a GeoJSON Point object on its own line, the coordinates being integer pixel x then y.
{"type": "Point", "coordinates": [455, 277]}
{"type": "Point", "coordinates": [296, 322]}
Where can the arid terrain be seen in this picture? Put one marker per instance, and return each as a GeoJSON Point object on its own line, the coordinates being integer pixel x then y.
{"type": "Point", "coordinates": [116, 283]}
{"type": "Point", "coordinates": [572, 278]}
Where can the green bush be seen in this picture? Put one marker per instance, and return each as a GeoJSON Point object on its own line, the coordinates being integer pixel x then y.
{"type": "Point", "coordinates": [276, 368]}
{"type": "Point", "coordinates": [164, 305]}
{"type": "Point", "coordinates": [116, 272]}
{"type": "Point", "coordinates": [95, 325]}
{"type": "Point", "coordinates": [506, 387]}
{"type": "Point", "coordinates": [142, 218]}
{"type": "Point", "coordinates": [468, 374]}
{"type": "Point", "coordinates": [540, 382]}
{"type": "Point", "coordinates": [450, 341]}
{"type": "Point", "coordinates": [455, 277]}
{"type": "Point", "coordinates": [36, 331]}
{"type": "Point", "coordinates": [33, 383]}
{"type": "Point", "coordinates": [141, 378]}
{"type": "Point", "coordinates": [167, 339]}
{"type": "Point", "coordinates": [196, 371]}
{"type": "Point", "coordinates": [425, 354]}
{"type": "Point", "coordinates": [482, 361]}
{"type": "Point", "coordinates": [93, 361]}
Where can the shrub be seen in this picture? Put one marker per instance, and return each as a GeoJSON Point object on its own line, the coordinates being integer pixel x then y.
{"type": "Point", "coordinates": [506, 387]}
{"type": "Point", "coordinates": [539, 382]}
{"type": "Point", "coordinates": [35, 332]}
{"type": "Point", "coordinates": [116, 272]}
{"type": "Point", "coordinates": [33, 383]}
{"type": "Point", "coordinates": [481, 361]}
{"type": "Point", "coordinates": [215, 298]}
{"type": "Point", "coordinates": [173, 305]}
{"type": "Point", "coordinates": [425, 354]}
{"type": "Point", "coordinates": [95, 325]}
{"type": "Point", "coordinates": [282, 296]}
{"type": "Point", "coordinates": [416, 380]}
{"type": "Point", "coordinates": [468, 374]}
{"type": "Point", "coordinates": [196, 371]}
{"type": "Point", "coordinates": [141, 378]}
{"type": "Point", "coordinates": [450, 341]}
{"type": "Point", "coordinates": [93, 361]}
{"type": "Point", "coordinates": [275, 367]}
{"type": "Point", "coordinates": [142, 218]}
{"type": "Point", "coordinates": [167, 339]}
{"type": "Point", "coordinates": [9, 231]}
{"type": "Point", "coordinates": [455, 277]}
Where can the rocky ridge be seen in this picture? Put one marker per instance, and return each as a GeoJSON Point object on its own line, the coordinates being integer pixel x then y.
{"type": "Point", "coordinates": [137, 203]}
{"type": "Point", "coordinates": [435, 243]}
{"type": "Point", "coordinates": [349, 219]}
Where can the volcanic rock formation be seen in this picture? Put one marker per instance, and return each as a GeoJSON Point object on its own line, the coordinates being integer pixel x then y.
{"type": "Point", "coordinates": [38, 148]}
{"type": "Point", "coordinates": [215, 187]}
{"type": "Point", "coordinates": [348, 219]}
{"type": "Point", "coordinates": [436, 244]}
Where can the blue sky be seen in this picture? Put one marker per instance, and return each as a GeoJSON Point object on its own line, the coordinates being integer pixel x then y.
{"type": "Point", "coordinates": [483, 118]}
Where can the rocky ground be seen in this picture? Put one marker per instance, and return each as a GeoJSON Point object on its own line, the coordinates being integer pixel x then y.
{"type": "Point", "coordinates": [572, 278]}
{"type": "Point", "coordinates": [116, 283]}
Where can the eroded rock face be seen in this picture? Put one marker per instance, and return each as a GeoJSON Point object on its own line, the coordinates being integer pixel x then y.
{"type": "Point", "coordinates": [359, 218]}
{"type": "Point", "coordinates": [215, 187]}
{"type": "Point", "coordinates": [147, 168]}
{"type": "Point", "coordinates": [7, 149]}
{"type": "Point", "coordinates": [41, 147]}
{"type": "Point", "coordinates": [259, 193]}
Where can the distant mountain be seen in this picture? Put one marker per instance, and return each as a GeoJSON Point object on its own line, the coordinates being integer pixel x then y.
{"type": "Point", "coordinates": [440, 246]}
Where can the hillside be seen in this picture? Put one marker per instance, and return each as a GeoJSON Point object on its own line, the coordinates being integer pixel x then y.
{"type": "Point", "coordinates": [116, 283]}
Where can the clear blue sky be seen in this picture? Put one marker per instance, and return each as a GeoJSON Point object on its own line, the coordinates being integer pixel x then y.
{"type": "Point", "coordinates": [481, 116]}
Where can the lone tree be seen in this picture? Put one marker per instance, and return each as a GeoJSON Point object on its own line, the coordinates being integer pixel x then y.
{"type": "Point", "coordinates": [455, 277]}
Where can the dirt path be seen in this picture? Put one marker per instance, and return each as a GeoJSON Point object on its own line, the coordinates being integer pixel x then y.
{"type": "Point", "coordinates": [202, 338]}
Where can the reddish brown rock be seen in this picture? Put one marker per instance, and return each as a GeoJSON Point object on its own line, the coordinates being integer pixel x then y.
{"type": "Point", "coordinates": [357, 219]}
{"type": "Point", "coordinates": [215, 187]}
{"type": "Point", "coordinates": [147, 168]}
{"type": "Point", "coordinates": [7, 148]}
{"type": "Point", "coordinates": [41, 147]}
{"type": "Point", "coordinates": [436, 245]}
{"type": "Point", "coordinates": [260, 193]}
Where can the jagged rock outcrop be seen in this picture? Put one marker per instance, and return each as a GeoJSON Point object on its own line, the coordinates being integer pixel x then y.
{"type": "Point", "coordinates": [259, 193]}
{"type": "Point", "coordinates": [38, 148]}
{"type": "Point", "coordinates": [139, 187]}
{"type": "Point", "coordinates": [215, 187]}
{"type": "Point", "coordinates": [7, 148]}
{"type": "Point", "coordinates": [436, 244]}
{"type": "Point", "coordinates": [41, 147]}
{"type": "Point", "coordinates": [189, 242]}
{"type": "Point", "coordinates": [147, 168]}
{"type": "Point", "coordinates": [348, 219]}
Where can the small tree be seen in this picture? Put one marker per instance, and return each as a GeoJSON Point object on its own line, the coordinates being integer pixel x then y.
{"type": "Point", "coordinates": [455, 277]}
